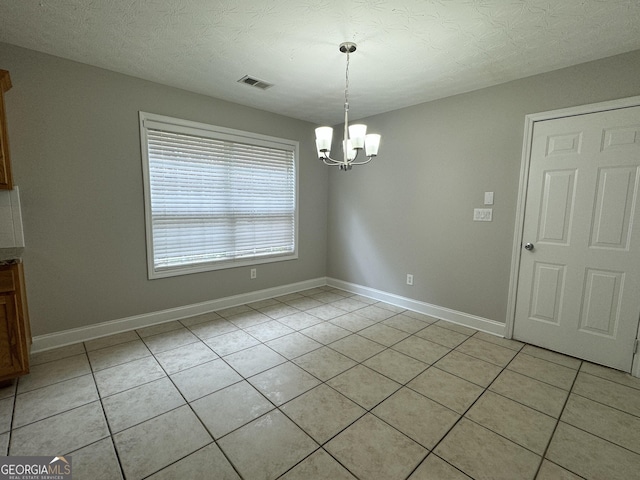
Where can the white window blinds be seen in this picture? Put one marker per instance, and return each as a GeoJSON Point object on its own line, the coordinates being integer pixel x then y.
{"type": "Point", "coordinates": [216, 198]}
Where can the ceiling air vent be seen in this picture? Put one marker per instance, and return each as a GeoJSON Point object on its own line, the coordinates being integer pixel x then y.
{"type": "Point", "coordinates": [254, 82]}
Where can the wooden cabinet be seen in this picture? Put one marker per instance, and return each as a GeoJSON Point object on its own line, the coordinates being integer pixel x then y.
{"type": "Point", "coordinates": [15, 332]}
{"type": "Point", "coordinates": [6, 181]}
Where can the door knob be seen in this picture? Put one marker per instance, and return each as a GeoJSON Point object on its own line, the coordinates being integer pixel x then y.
{"type": "Point", "coordinates": [528, 246]}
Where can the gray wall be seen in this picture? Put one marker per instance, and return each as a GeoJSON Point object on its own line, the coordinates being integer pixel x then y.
{"type": "Point", "coordinates": [75, 145]}
{"type": "Point", "coordinates": [411, 209]}
{"type": "Point", "coordinates": [76, 157]}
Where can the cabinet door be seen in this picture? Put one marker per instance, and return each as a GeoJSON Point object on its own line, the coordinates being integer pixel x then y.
{"type": "Point", "coordinates": [12, 352]}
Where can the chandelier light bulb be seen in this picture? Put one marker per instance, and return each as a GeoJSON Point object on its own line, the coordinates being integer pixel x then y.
{"type": "Point", "coordinates": [371, 144]}
{"type": "Point", "coordinates": [323, 140]}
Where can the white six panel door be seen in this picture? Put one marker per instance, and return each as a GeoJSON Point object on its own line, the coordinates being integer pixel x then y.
{"type": "Point", "coordinates": [579, 287]}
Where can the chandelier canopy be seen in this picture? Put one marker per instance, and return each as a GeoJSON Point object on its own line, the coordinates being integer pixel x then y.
{"type": "Point", "coordinates": [355, 137]}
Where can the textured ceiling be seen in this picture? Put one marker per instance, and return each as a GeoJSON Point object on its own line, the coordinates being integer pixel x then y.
{"type": "Point", "coordinates": [409, 51]}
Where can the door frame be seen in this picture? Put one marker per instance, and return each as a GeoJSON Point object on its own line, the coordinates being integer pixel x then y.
{"type": "Point", "coordinates": [529, 124]}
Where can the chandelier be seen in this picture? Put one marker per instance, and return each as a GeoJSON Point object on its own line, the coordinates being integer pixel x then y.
{"type": "Point", "coordinates": [355, 136]}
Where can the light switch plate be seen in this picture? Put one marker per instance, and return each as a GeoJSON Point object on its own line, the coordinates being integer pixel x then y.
{"type": "Point", "coordinates": [482, 214]}
{"type": "Point", "coordinates": [488, 198]}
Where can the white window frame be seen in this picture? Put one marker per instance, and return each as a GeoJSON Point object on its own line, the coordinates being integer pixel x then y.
{"type": "Point", "coordinates": [161, 122]}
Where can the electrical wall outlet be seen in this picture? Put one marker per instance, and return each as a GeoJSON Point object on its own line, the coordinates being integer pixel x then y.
{"type": "Point", "coordinates": [482, 214]}
{"type": "Point", "coordinates": [253, 273]}
{"type": "Point", "coordinates": [409, 279]}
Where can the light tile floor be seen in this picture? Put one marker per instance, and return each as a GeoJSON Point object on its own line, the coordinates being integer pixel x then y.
{"type": "Point", "coordinates": [322, 384]}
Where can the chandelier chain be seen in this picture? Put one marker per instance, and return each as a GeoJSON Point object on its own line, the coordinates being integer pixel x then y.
{"type": "Point", "coordinates": [346, 84]}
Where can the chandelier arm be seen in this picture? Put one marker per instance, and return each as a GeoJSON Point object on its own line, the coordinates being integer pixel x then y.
{"type": "Point", "coordinates": [363, 162]}
{"type": "Point", "coordinates": [327, 160]}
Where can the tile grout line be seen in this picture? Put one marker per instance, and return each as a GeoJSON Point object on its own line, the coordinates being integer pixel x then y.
{"type": "Point", "coordinates": [402, 385]}
{"type": "Point", "coordinates": [548, 361]}
{"type": "Point", "coordinates": [92, 371]}
{"type": "Point", "coordinates": [104, 412]}
{"type": "Point", "coordinates": [151, 354]}
{"type": "Point", "coordinates": [324, 382]}
{"type": "Point", "coordinates": [571, 392]}
{"type": "Point", "coordinates": [366, 410]}
{"type": "Point", "coordinates": [606, 404]}
{"type": "Point", "coordinates": [187, 403]}
{"type": "Point", "coordinates": [13, 413]}
{"type": "Point", "coordinates": [485, 389]}
{"type": "Point", "coordinates": [276, 407]}
{"type": "Point", "coordinates": [544, 454]}
{"type": "Point", "coordinates": [557, 420]}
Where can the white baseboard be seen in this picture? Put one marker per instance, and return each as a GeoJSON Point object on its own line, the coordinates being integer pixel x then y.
{"type": "Point", "coordinates": [90, 332]}
{"type": "Point", "coordinates": [453, 316]}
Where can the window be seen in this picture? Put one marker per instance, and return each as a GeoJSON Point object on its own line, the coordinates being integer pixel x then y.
{"type": "Point", "coordinates": [215, 197]}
